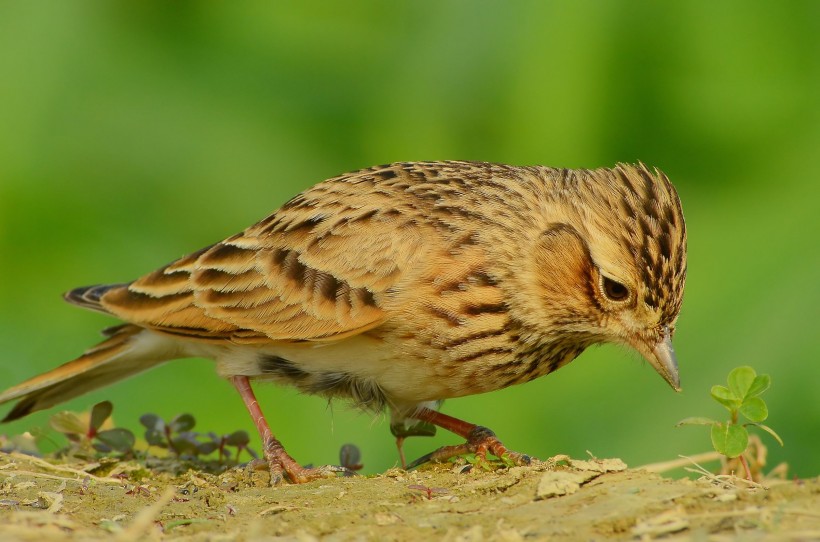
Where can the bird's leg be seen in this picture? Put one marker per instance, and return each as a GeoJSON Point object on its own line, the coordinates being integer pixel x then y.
{"type": "Point", "coordinates": [401, 430]}
{"type": "Point", "coordinates": [480, 440]}
{"type": "Point", "coordinates": [400, 448]}
{"type": "Point", "coordinates": [279, 461]}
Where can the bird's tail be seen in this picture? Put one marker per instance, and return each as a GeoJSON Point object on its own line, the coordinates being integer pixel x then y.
{"type": "Point", "coordinates": [128, 350]}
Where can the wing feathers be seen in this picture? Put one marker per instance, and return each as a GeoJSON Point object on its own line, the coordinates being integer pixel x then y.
{"type": "Point", "coordinates": [230, 289]}
{"type": "Point", "coordinates": [228, 257]}
{"type": "Point", "coordinates": [89, 296]}
{"type": "Point", "coordinates": [146, 306]}
{"type": "Point", "coordinates": [214, 279]}
{"type": "Point", "coordinates": [162, 283]}
{"type": "Point", "coordinates": [314, 270]}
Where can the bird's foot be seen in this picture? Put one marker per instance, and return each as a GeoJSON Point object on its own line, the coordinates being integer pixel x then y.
{"type": "Point", "coordinates": [300, 475]}
{"type": "Point", "coordinates": [480, 442]}
{"type": "Point", "coordinates": [280, 463]}
{"type": "Point", "coordinates": [282, 466]}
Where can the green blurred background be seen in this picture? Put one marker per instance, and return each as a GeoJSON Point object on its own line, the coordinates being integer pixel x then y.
{"type": "Point", "coordinates": [132, 133]}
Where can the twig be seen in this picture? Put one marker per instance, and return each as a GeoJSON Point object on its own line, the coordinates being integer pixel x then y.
{"type": "Point", "coordinates": [664, 466]}
{"type": "Point", "coordinates": [58, 468]}
{"type": "Point", "coordinates": [726, 480]}
{"type": "Point", "coordinates": [32, 474]}
{"type": "Point", "coordinates": [746, 468]}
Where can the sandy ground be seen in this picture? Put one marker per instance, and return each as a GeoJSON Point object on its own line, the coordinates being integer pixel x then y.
{"type": "Point", "coordinates": [560, 499]}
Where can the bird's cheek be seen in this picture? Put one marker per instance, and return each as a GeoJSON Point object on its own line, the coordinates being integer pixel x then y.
{"type": "Point", "coordinates": [646, 319]}
{"type": "Point", "coordinates": [628, 325]}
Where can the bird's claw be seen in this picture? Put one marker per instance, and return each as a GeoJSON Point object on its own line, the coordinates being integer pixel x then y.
{"type": "Point", "coordinates": [480, 442]}
{"type": "Point", "coordinates": [297, 474]}
{"type": "Point", "coordinates": [283, 467]}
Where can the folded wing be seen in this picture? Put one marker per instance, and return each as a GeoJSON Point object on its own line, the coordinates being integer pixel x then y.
{"type": "Point", "coordinates": [318, 269]}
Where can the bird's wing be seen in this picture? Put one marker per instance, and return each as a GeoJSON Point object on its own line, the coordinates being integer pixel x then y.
{"type": "Point", "coordinates": [317, 269]}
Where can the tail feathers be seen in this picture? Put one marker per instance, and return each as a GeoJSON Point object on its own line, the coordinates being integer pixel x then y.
{"type": "Point", "coordinates": [130, 350]}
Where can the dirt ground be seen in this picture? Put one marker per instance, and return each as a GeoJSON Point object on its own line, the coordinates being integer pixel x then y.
{"type": "Point", "coordinates": [560, 499]}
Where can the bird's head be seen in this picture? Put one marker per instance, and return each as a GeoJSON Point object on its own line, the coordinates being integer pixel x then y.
{"type": "Point", "coordinates": [613, 269]}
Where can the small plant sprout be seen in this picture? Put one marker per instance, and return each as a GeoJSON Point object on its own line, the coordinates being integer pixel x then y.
{"type": "Point", "coordinates": [741, 397]}
{"type": "Point", "coordinates": [430, 491]}
{"type": "Point", "coordinates": [84, 434]}
{"type": "Point", "coordinates": [175, 435]}
{"type": "Point", "coordinates": [237, 439]}
{"type": "Point", "coordinates": [350, 457]}
{"type": "Point", "coordinates": [178, 437]}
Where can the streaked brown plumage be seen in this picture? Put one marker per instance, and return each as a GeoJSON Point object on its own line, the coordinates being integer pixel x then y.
{"type": "Point", "coordinates": [402, 285]}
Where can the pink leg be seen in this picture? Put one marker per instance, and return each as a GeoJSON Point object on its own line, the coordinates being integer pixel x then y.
{"type": "Point", "coordinates": [279, 461]}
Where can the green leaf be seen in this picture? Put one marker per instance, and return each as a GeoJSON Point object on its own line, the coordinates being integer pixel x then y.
{"type": "Point", "coordinates": [183, 422]}
{"type": "Point", "coordinates": [101, 447]}
{"type": "Point", "coordinates": [67, 422]}
{"type": "Point", "coordinates": [169, 526]}
{"type": "Point", "coordinates": [722, 395]}
{"type": "Point", "coordinates": [185, 446]}
{"type": "Point", "coordinates": [155, 438]}
{"type": "Point", "coordinates": [205, 448]}
{"type": "Point", "coordinates": [740, 381]}
{"type": "Point", "coordinates": [118, 438]}
{"type": "Point", "coordinates": [730, 440]}
{"type": "Point", "coordinates": [770, 431]}
{"type": "Point", "coordinates": [238, 438]}
{"type": "Point", "coordinates": [696, 420]}
{"type": "Point", "coordinates": [754, 408]}
{"type": "Point", "coordinates": [508, 461]}
{"type": "Point", "coordinates": [99, 413]}
{"type": "Point", "coordinates": [152, 422]}
{"type": "Point", "coordinates": [760, 384]}
{"type": "Point", "coordinates": [349, 454]}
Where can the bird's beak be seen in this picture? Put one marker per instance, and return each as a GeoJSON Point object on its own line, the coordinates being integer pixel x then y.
{"type": "Point", "coordinates": [662, 357]}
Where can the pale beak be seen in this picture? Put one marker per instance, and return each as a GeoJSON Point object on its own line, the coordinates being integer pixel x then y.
{"type": "Point", "coordinates": [662, 357]}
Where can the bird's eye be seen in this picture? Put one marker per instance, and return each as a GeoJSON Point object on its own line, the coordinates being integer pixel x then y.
{"type": "Point", "coordinates": [614, 290]}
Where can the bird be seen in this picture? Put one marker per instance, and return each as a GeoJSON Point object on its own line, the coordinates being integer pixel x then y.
{"type": "Point", "coordinates": [399, 286]}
